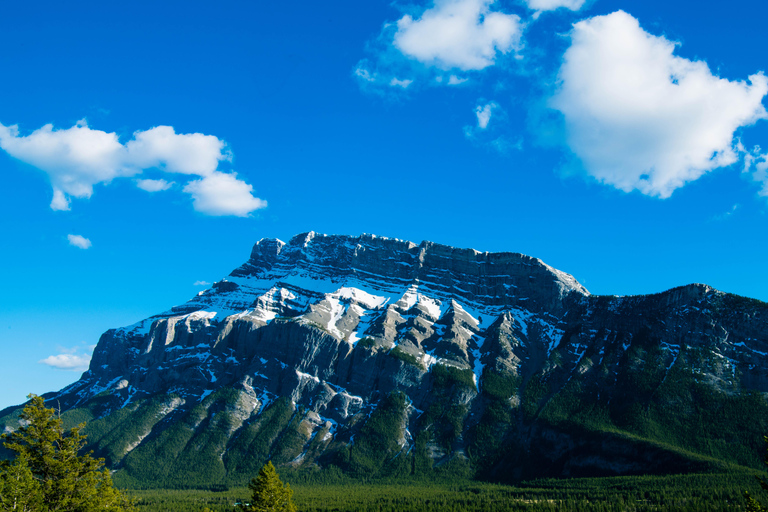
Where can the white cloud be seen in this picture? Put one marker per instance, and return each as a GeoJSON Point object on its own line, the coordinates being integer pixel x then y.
{"type": "Point", "coordinates": [77, 158]}
{"type": "Point", "coordinates": [60, 202]}
{"type": "Point", "coordinates": [184, 153]}
{"type": "Point", "coordinates": [223, 194]}
{"type": "Point", "coordinates": [201, 283]}
{"type": "Point", "coordinates": [551, 5]}
{"type": "Point", "coordinates": [400, 83]}
{"type": "Point", "coordinates": [363, 73]}
{"type": "Point", "coordinates": [483, 113]}
{"type": "Point", "coordinates": [79, 241]}
{"type": "Point", "coordinates": [756, 163]}
{"type": "Point", "coordinates": [68, 361]}
{"type": "Point", "coordinates": [461, 34]}
{"type": "Point", "coordinates": [486, 135]}
{"type": "Point", "coordinates": [640, 118]}
{"type": "Point", "coordinates": [153, 185]}
{"type": "Point", "coordinates": [455, 80]}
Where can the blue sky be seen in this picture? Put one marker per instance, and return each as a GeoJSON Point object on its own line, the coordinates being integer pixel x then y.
{"type": "Point", "coordinates": [146, 146]}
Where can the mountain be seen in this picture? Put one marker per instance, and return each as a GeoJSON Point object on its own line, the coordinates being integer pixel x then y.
{"type": "Point", "coordinates": [380, 357]}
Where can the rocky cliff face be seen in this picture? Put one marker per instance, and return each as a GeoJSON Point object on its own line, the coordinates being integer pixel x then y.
{"type": "Point", "coordinates": [349, 351]}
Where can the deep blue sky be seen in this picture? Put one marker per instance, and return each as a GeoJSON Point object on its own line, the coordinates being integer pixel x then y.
{"type": "Point", "coordinates": [306, 97]}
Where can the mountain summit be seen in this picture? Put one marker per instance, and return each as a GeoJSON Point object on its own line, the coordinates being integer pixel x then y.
{"type": "Point", "coordinates": [381, 356]}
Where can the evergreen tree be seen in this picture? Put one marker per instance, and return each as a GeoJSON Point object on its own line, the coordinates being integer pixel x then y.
{"type": "Point", "coordinates": [18, 488]}
{"type": "Point", "coordinates": [752, 504]}
{"type": "Point", "coordinates": [48, 473]}
{"type": "Point", "coordinates": [269, 493]}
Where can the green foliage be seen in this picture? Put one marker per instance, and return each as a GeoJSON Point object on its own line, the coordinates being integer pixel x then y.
{"type": "Point", "coordinates": [489, 439]}
{"type": "Point", "coordinates": [367, 343]}
{"type": "Point", "coordinates": [399, 353]}
{"type": "Point", "coordinates": [498, 386]}
{"type": "Point", "coordinates": [187, 452]}
{"type": "Point", "coordinates": [445, 376]}
{"type": "Point", "coordinates": [251, 449]}
{"type": "Point", "coordinates": [534, 392]}
{"type": "Point", "coordinates": [112, 436]}
{"type": "Point", "coordinates": [718, 492]}
{"type": "Point", "coordinates": [291, 442]}
{"type": "Point", "coordinates": [268, 494]}
{"type": "Point", "coordinates": [19, 490]}
{"type": "Point", "coordinates": [378, 441]}
{"type": "Point", "coordinates": [752, 504]}
{"type": "Point", "coordinates": [48, 473]}
{"type": "Point", "coordinates": [444, 417]}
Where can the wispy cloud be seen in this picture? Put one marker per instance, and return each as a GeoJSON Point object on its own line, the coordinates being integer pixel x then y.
{"type": "Point", "coordinates": [455, 80]}
{"type": "Point", "coordinates": [78, 158]}
{"type": "Point", "coordinates": [395, 82]}
{"type": "Point", "coordinates": [79, 241]}
{"type": "Point", "coordinates": [202, 283]}
{"type": "Point", "coordinates": [726, 215]}
{"type": "Point", "coordinates": [153, 185]}
{"type": "Point", "coordinates": [72, 358]}
{"type": "Point", "coordinates": [67, 362]}
{"type": "Point", "coordinates": [756, 164]}
{"type": "Point", "coordinates": [551, 5]}
{"type": "Point", "coordinates": [640, 118]}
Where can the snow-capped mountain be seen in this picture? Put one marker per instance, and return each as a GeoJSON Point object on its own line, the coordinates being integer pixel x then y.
{"type": "Point", "coordinates": [378, 355]}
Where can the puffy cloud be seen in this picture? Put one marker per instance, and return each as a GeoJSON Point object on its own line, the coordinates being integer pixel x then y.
{"type": "Point", "coordinates": [223, 194]}
{"type": "Point", "coordinates": [640, 118]}
{"type": "Point", "coordinates": [68, 361]}
{"type": "Point", "coordinates": [79, 241]}
{"type": "Point", "coordinates": [483, 113]}
{"type": "Point", "coordinates": [462, 34]}
{"type": "Point", "coordinates": [450, 35]}
{"type": "Point", "coordinates": [184, 153]}
{"type": "Point", "coordinates": [551, 5]}
{"type": "Point", "coordinates": [77, 158]}
{"type": "Point", "coordinates": [153, 185]}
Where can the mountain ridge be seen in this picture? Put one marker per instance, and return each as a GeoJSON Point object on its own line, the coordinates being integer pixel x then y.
{"type": "Point", "coordinates": [475, 357]}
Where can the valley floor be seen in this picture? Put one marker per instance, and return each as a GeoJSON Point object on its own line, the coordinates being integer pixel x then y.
{"type": "Point", "coordinates": [697, 492]}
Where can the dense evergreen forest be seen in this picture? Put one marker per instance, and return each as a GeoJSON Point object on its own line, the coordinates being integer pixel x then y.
{"type": "Point", "coordinates": [698, 492]}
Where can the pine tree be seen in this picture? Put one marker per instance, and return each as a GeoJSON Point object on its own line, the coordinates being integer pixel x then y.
{"type": "Point", "coordinates": [752, 504]}
{"type": "Point", "coordinates": [19, 490]}
{"type": "Point", "coordinates": [48, 470]}
{"type": "Point", "coordinates": [269, 493]}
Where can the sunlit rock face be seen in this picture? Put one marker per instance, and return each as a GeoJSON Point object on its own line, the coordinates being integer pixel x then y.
{"type": "Point", "coordinates": [308, 338]}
